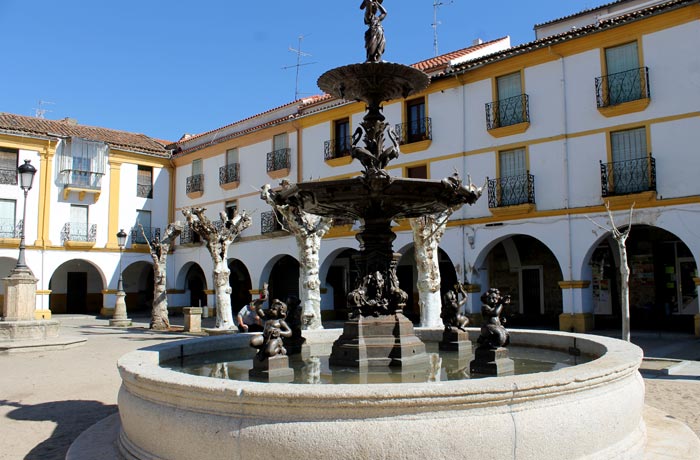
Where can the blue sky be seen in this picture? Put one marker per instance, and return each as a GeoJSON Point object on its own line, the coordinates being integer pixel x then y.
{"type": "Point", "coordinates": [165, 68]}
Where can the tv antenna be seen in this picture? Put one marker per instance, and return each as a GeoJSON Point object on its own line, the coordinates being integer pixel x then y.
{"type": "Point", "coordinates": [40, 111]}
{"type": "Point", "coordinates": [300, 54]}
{"type": "Point", "coordinates": [436, 5]}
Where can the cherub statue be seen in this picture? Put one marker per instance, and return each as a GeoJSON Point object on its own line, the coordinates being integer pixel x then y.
{"type": "Point", "coordinates": [270, 343]}
{"type": "Point", "coordinates": [451, 313]}
{"type": "Point", "coordinates": [493, 334]}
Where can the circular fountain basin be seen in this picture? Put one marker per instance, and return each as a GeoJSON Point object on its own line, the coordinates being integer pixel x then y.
{"type": "Point", "coordinates": [591, 410]}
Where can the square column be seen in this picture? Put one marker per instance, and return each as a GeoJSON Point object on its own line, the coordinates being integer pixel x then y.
{"type": "Point", "coordinates": [577, 298]}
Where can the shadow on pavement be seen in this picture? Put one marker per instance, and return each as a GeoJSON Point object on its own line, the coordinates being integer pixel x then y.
{"type": "Point", "coordinates": [71, 418]}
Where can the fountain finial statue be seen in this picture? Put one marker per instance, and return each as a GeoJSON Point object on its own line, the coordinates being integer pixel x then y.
{"type": "Point", "coordinates": [374, 37]}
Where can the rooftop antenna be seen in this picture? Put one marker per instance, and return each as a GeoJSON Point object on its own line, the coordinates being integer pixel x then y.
{"type": "Point", "coordinates": [436, 5]}
{"type": "Point", "coordinates": [300, 54]}
{"type": "Point", "coordinates": [40, 111]}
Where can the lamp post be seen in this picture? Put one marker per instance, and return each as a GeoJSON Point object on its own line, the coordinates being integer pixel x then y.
{"type": "Point", "coordinates": [26, 177]}
{"type": "Point", "coordinates": [119, 319]}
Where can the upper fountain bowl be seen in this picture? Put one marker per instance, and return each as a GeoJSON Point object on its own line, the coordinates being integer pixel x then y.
{"type": "Point", "coordinates": [373, 82]}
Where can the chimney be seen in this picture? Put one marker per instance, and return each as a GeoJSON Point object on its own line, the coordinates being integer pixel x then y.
{"type": "Point", "coordinates": [70, 121]}
{"type": "Point", "coordinates": [477, 41]}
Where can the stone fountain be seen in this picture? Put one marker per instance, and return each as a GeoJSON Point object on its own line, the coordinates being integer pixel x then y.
{"type": "Point", "coordinates": [590, 411]}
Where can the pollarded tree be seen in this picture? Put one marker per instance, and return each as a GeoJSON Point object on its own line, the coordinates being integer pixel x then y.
{"type": "Point", "coordinates": [308, 230]}
{"type": "Point", "coordinates": [159, 248]}
{"type": "Point", "coordinates": [218, 237]}
{"type": "Point", "coordinates": [621, 238]}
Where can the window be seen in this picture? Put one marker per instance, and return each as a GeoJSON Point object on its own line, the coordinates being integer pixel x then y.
{"type": "Point", "coordinates": [514, 186]}
{"type": "Point", "coordinates": [278, 159]}
{"type": "Point", "coordinates": [280, 141]}
{"type": "Point", "coordinates": [632, 166]}
{"type": "Point", "coordinates": [144, 182]}
{"type": "Point", "coordinates": [622, 64]}
{"type": "Point", "coordinates": [78, 223]}
{"type": "Point", "coordinates": [342, 141]}
{"type": "Point", "coordinates": [8, 226]}
{"type": "Point", "coordinates": [231, 207]}
{"type": "Point", "coordinates": [8, 166]}
{"type": "Point", "coordinates": [510, 108]}
{"type": "Point", "coordinates": [417, 172]}
{"type": "Point", "coordinates": [415, 119]}
{"type": "Point", "coordinates": [143, 218]}
{"type": "Point", "coordinates": [82, 163]}
{"type": "Point", "coordinates": [230, 172]}
{"type": "Point", "coordinates": [195, 183]}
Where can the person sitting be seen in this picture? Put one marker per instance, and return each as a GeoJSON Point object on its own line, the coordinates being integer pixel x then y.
{"type": "Point", "coordinates": [248, 319]}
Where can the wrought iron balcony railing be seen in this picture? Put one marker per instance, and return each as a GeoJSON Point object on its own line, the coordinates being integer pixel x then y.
{"type": "Point", "coordinates": [414, 131]}
{"type": "Point", "coordinates": [10, 229]}
{"type": "Point", "coordinates": [620, 87]}
{"type": "Point", "coordinates": [8, 176]}
{"type": "Point", "coordinates": [195, 183]}
{"type": "Point", "coordinates": [81, 179]}
{"type": "Point", "coordinates": [151, 234]}
{"type": "Point", "coordinates": [337, 148]}
{"type": "Point", "coordinates": [278, 159]}
{"type": "Point", "coordinates": [229, 173]}
{"type": "Point", "coordinates": [78, 231]}
{"type": "Point", "coordinates": [507, 112]}
{"type": "Point", "coordinates": [627, 177]}
{"type": "Point", "coordinates": [188, 236]}
{"type": "Point", "coordinates": [511, 190]}
{"type": "Point", "coordinates": [144, 190]}
{"type": "Point", "coordinates": [269, 222]}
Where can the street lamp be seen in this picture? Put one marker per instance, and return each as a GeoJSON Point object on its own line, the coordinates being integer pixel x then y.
{"type": "Point", "coordinates": [26, 177]}
{"type": "Point", "coordinates": [119, 319]}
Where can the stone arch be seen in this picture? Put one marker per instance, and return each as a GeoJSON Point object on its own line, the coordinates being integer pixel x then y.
{"type": "Point", "coordinates": [526, 268]}
{"type": "Point", "coordinates": [194, 282]}
{"type": "Point", "coordinates": [339, 275]}
{"type": "Point", "coordinates": [77, 287]}
{"type": "Point", "coordinates": [241, 284]}
{"type": "Point", "coordinates": [138, 286]}
{"type": "Point", "coordinates": [663, 270]}
{"type": "Point", "coordinates": [282, 275]}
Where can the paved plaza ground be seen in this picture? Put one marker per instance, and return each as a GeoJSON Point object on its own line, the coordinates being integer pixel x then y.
{"type": "Point", "coordinates": [47, 398]}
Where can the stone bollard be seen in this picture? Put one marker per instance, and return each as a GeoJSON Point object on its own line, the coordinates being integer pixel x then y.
{"type": "Point", "coordinates": [193, 319]}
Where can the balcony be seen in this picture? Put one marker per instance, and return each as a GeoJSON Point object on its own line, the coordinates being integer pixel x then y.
{"type": "Point", "coordinates": [508, 116]}
{"type": "Point", "coordinates": [194, 186]}
{"type": "Point", "coordinates": [631, 177]}
{"type": "Point", "coordinates": [138, 238]}
{"type": "Point", "coordinates": [230, 176]}
{"type": "Point", "coordinates": [81, 182]}
{"type": "Point", "coordinates": [78, 235]}
{"type": "Point", "coordinates": [279, 163]}
{"type": "Point", "coordinates": [337, 152]}
{"type": "Point", "coordinates": [512, 194]}
{"type": "Point", "coordinates": [189, 236]}
{"type": "Point", "coordinates": [10, 230]}
{"type": "Point", "coordinates": [269, 223]}
{"type": "Point", "coordinates": [623, 92]}
{"type": "Point", "coordinates": [8, 176]}
{"type": "Point", "coordinates": [415, 135]}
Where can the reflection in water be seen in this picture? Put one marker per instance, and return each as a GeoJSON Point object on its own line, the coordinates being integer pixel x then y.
{"type": "Point", "coordinates": [442, 366]}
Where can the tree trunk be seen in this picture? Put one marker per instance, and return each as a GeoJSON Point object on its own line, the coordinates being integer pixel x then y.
{"type": "Point", "coordinates": [309, 246]}
{"type": "Point", "coordinates": [159, 312]}
{"type": "Point", "coordinates": [625, 290]}
{"type": "Point", "coordinates": [427, 232]}
{"type": "Point", "coordinates": [222, 290]}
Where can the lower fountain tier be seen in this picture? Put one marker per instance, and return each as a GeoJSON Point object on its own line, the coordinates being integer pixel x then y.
{"type": "Point", "coordinates": [373, 342]}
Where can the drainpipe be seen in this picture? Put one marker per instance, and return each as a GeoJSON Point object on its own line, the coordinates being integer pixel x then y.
{"type": "Point", "coordinates": [565, 169]}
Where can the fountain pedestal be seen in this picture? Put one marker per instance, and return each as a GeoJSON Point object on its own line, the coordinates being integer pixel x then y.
{"type": "Point", "coordinates": [491, 361]}
{"type": "Point", "coordinates": [274, 369]}
{"type": "Point", "coordinates": [456, 341]}
{"type": "Point", "coordinates": [372, 342]}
